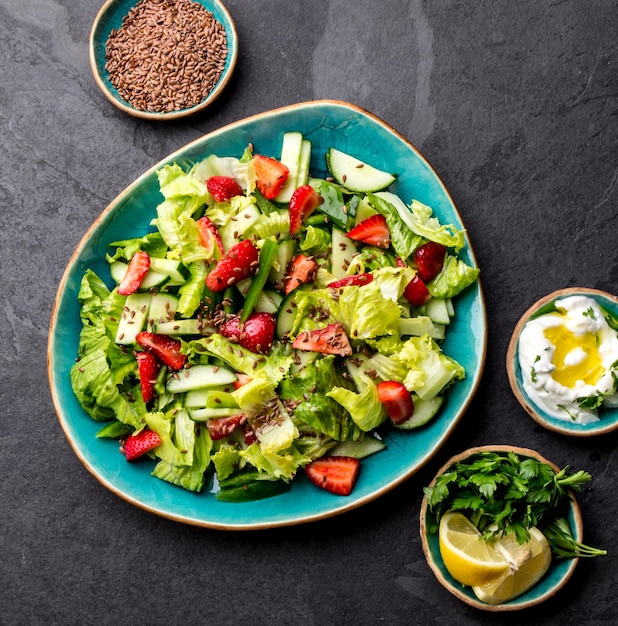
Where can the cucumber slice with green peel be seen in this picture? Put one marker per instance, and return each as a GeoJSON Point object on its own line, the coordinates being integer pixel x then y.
{"type": "Point", "coordinates": [216, 399]}
{"type": "Point", "coordinates": [200, 377]}
{"type": "Point", "coordinates": [291, 150]}
{"type": "Point", "coordinates": [152, 279]}
{"type": "Point", "coordinates": [198, 398]}
{"type": "Point", "coordinates": [437, 310]}
{"type": "Point", "coordinates": [190, 326]}
{"type": "Point", "coordinates": [302, 358]}
{"type": "Point", "coordinates": [358, 449]}
{"type": "Point", "coordinates": [285, 253]}
{"type": "Point", "coordinates": [305, 159]}
{"type": "Point", "coordinates": [287, 312]}
{"type": "Point", "coordinates": [364, 210]}
{"type": "Point", "coordinates": [232, 231]}
{"type": "Point", "coordinates": [268, 302]}
{"type": "Point", "coordinates": [176, 271]}
{"type": "Point", "coordinates": [424, 412]}
{"type": "Point", "coordinates": [203, 415]}
{"type": "Point", "coordinates": [134, 318]}
{"type": "Point", "coordinates": [162, 309]}
{"type": "Point", "coordinates": [343, 251]}
{"type": "Point", "coordinates": [354, 174]}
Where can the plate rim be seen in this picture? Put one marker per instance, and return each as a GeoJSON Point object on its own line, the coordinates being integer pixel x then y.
{"type": "Point", "coordinates": [341, 507]}
{"type": "Point", "coordinates": [553, 424]}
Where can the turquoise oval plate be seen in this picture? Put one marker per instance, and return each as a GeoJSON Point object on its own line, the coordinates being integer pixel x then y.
{"type": "Point", "coordinates": [110, 18]}
{"type": "Point", "coordinates": [608, 421]}
{"type": "Point", "coordinates": [327, 124]}
{"type": "Point", "coordinates": [556, 576]}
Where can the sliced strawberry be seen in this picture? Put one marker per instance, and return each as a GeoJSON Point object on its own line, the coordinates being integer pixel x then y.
{"type": "Point", "coordinates": [329, 340]}
{"type": "Point", "coordinates": [256, 334]}
{"type": "Point", "coordinates": [358, 280]}
{"type": "Point", "coordinates": [241, 379]}
{"type": "Point", "coordinates": [302, 269]}
{"type": "Point", "coordinates": [239, 262]}
{"type": "Point", "coordinates": [416, 292]}
{"type": "Point", "coordinates": [337, 474]}
{"type": "Point", "coordinates": [148, 367]}
{"type": "Point", "coordinates": [373, 231]}
{"type": "Point", "coordinates": [396, 400]}
{"type": "Point", "coordinates": [140, 443]}
{"type": "Point", "coordinates": [223, 188]}
{"type": "Point", "coordinates": [209, 237]}
{"type": "Point", "coordinates": [164, 347]}
{"type": "Point", "coordinates": [304, 201]}
{"type": "Point", "coordinates": [221, 427]}
{"type": "Point", "coordinates": [429, 259]}
{"type": "Point", "coordinates": [271, 175]}
{"type": "Point", "coordinates": [138, 268]}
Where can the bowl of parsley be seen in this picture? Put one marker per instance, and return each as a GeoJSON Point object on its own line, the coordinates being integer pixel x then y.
{"type": "Point", "coordinates": [507, 494]}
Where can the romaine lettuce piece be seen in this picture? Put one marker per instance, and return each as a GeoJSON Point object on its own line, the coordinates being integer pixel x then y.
{"type": "Point", "coordinates": [365, 407]}
{"type": "Point", "coordinates": [455, 276]}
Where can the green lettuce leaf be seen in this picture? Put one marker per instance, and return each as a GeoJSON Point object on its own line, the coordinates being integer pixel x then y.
{"type": "Point", "coordinates": [455, 276]}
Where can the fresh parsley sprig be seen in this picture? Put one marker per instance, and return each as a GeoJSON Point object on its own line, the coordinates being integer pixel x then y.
{"type": "Point", "coordinates": [505, 493]}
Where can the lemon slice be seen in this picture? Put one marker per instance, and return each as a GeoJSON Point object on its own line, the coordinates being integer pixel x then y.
{"type": "Point", "coordinates": [469, 559]}
{"type": "Point", "coordinates": [528, 564]}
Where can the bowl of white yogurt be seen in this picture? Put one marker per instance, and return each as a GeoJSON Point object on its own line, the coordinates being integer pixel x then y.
{"type": "Point", "coordinates": [562, 361]}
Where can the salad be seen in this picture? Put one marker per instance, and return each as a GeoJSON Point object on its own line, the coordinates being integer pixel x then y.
{"type": "Point", "coordinates": [271, 322]}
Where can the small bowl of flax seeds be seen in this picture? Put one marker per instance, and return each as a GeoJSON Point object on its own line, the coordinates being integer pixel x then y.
{"type": "Point", "coordinates": [162, 59]}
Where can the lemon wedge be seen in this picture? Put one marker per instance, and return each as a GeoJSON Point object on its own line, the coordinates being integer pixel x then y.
{"type": "Point", "coordinates": [528, 564]}
{"type": "Point", "coordinates": [469, 559]}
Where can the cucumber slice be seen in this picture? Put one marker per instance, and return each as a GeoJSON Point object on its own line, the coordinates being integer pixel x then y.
{"type": "Point", "coordinates": [190, 326]}
{"type": "Point", "coordinates": [364, 210]}
{"type": "Point", "coordinates": [356, 175]}
{"type": "Point", "coordinates": [200, 377]}
{"type": "Point", "coordinates": [162, 309]}
{"type": "Point", "coordinates": [437, 310]}
{"type": "Point", "coordinates": [176, 271]}
{"type": "Point", "coordinates": [305, 159]}
{"type": "Point", "coordinates": [287, 312]}
{"type": "Point", "coordinates": [291, 150]}
{"type": "Point", "coordinates": [424, 412]}
{"type": "Point", "coordinates": [342, 254]}
{"type": "Point", "coordinates": [358, 449]}
{"type": "Point", "coordinates": [285, 253]}
{"type": "Point", "coordinates": [268, 302]}
{"type": "Point", "coordinates": [302, 358]}
{"type": "Point", "coordinates": [232, 232]}
{"type": "Point", "coordinates": [203, 415]}
{"type": "Point", "coordinates": [118, 269]}
{"type": "Point", "coordinates": [134, 318]}
{"type": "Point", "coordinates": [198, 398]}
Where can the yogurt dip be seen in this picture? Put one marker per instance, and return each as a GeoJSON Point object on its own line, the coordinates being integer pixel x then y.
{"type": "Point", "coordinates": [569, 360]}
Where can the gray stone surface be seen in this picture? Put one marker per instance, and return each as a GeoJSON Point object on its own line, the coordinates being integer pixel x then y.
{"type": "Point", "coordinates": [514, 103]}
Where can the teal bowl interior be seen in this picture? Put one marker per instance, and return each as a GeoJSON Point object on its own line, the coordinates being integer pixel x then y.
{"type": "Point", "coordinates": [556, 577]}
{"type": "Point", "coordinates": [326, 124]}
{"type": "Point", "coordinates": [608, 416]}
{"type": "Point", "coordinates": [110, 18]}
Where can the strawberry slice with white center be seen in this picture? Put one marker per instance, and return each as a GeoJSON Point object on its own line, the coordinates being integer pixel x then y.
{"type": "Point", "coordinates": [302, 270]}
{"type": "Point", "coordinates": [271, 175]}
{"type": "Point", "coordinates": [223, 188]}
{"type": "Point", "coordinates": [239, 262]}
{"type": "Point", "coordinates": [357, 280]}
{"type": "Point", "coordinates": [396, 400]}
{"type": "Point", "coordinates": [336, 474]}
{"type": "Point", "coordinates": [256, 334]}
{"type": "Point", "coordinates": [136, 445]}
{"type": "Point", "coordinates": [373, 231]}
{"type": "Point", "coordinates": [304, 201]}
{"type": "Point", "coordinates": [329, 340]}
{"type": "Point", "coordinates": [221, 427]}
{"type": "Point", "coordinates": [148, 367]}
{"type": "Point", "coordinates": [210, 238]}
{"type": "Point", "coordinates": [164, 347]}
{"type": "Point", "coordinates": [138, 268]}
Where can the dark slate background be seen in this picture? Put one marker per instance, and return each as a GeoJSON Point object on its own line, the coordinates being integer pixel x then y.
{"type": "Point", "coordinates": [514, 103]}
